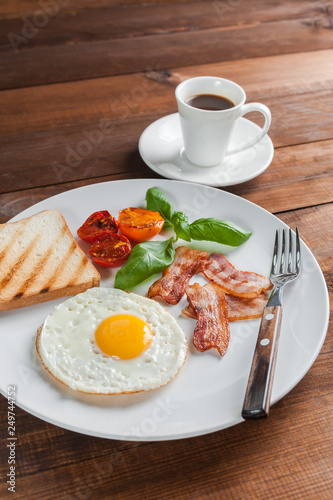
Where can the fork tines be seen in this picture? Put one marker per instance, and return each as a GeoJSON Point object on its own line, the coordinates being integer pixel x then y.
{"type": "Point", "coordinates": [287, 252]}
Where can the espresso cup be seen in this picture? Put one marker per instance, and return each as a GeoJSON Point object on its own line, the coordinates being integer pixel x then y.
{"type": "Point", "coordinates": [207, 133]}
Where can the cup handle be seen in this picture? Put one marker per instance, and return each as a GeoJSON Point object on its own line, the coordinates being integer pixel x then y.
{"type": "Point", "coordinates": [246, 108]}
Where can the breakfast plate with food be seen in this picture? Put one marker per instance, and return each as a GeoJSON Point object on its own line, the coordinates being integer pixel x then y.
{"type": "Point", "coordinates": [130, 309]}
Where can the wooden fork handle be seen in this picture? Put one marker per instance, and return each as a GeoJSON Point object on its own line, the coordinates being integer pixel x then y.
{"type": "Point", "coordinates": [259, 388]}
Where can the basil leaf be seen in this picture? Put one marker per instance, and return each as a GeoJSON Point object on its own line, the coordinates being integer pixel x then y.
{"type": "Point", "coordinates": [158, 202]}
{"type": "Point", "coordinates": [220, 231]}
{"type": "Point", "coordinates": [146, 259]}
{"type": "Point", "coordinates": [181, 226]}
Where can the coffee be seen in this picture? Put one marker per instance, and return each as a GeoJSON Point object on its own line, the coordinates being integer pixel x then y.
{"type": "Point", "coordinates": [209, 102]}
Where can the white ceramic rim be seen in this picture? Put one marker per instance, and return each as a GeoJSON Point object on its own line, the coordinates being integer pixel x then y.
{"type": "Point", "coordinates": [181, 95]}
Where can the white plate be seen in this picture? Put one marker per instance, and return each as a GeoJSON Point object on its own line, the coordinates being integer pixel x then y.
{"type": "Point", "coordinates": [208, 393]}
{"type": "Point", "coordinates": [161, 148]}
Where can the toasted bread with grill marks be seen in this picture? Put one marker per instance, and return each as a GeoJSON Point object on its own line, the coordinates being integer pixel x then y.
{"type": "Point", "coordinates": [40, 260]}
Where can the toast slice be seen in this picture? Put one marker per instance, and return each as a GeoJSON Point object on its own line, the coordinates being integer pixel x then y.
{"type": "Point", "coordinates": [40, 260]}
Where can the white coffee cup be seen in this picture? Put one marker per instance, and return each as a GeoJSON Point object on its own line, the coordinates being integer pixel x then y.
{"type": "Point", "coordinates": [207, 134]}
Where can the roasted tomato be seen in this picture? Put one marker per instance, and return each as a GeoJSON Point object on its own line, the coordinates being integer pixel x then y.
{"type": "Point", "coordinates": [110, 250]}
{"type": "Point", "coordinates": [98, 224]}
{"type": "Point", "coordinates": [139, 224]}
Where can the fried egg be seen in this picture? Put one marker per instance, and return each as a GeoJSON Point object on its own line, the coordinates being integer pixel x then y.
{"type": "Point", "coordinates": [106, 341]}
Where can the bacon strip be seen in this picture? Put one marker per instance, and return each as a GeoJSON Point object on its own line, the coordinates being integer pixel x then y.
{"type": "Point", "coordinates": [175, 278]}
{"type": "Point", "coordinates": [218, 269]}
{"type": "Point", "coordinates": [209, 306]}
{"type": "Point", "coordinates": [238, 308]}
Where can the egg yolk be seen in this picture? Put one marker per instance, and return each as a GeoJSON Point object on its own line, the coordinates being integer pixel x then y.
{"type": "Point", "coordinates": [123, 335]}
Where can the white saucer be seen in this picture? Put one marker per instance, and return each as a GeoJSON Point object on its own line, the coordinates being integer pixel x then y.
{"type": "Point", "coordinates": [161, 145]}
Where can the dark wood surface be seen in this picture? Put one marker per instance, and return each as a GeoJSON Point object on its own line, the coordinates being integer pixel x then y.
{"type": "Point", "coordinates": [114, 65]}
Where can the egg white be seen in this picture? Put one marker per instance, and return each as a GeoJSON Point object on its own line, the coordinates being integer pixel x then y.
{"type": "Point", "coordinates": [67, 348]}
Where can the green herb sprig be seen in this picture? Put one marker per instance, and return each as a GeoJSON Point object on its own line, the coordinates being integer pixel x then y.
{"type": "Point", "coordinates": [151, 257]}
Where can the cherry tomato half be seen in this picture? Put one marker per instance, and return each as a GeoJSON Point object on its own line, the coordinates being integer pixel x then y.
{"type": "Point", "coordinates": [98, 224]}
{"type": "Point", "coordinates": [139, 224]}
{"type": "Point", "coordinates": [110, 250]}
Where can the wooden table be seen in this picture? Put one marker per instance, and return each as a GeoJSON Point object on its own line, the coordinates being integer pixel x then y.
{"type": "Point", "coordinates": [66, 65]}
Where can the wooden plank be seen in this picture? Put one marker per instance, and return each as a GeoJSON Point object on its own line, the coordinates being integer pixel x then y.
{"type": "Point", "coordinates": [91, 150]}
{"type": "Point", "coordinates": [69, 154]}
{"type": "Point", "coordinates": [96, 470]}
{"type": "Point", "coordinates": [287, 74]}
{"type": "Point", "coordinates": [111, 57]}
{"type": "Point", "coordinates": [20, 8]}
{"type": "Point", "coordinates": [152, 93]}
{"type": "Point", "coordinates": [112, 22]}
{"type": "Point", "coordinates": [13, 203]}
{"type": "Point", "coordinates": [283, 186]}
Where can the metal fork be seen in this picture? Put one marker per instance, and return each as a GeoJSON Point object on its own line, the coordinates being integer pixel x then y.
{"type": "Point", "coordinates": [286, 266]}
